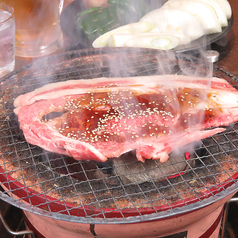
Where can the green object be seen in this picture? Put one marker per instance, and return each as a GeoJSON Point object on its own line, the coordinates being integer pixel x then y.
{"type": "Point", "coordinates": [138, 8]}
{"type": "Point", "coordinates": [94, 22]}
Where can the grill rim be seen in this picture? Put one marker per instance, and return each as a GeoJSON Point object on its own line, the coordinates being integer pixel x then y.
{"type": "Point", "coordinates": [129, 220]}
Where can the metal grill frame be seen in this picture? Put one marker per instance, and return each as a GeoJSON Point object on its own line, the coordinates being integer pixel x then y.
{"type": "Point", "coordinates": [128, 214]}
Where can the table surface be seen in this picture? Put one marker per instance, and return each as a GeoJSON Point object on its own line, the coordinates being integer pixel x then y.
{"type": "Point", "coordinates": [229, 45]}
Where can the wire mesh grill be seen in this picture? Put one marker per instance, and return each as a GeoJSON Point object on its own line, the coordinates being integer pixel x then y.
{"type": "Point", "coordinates": [62, 188]}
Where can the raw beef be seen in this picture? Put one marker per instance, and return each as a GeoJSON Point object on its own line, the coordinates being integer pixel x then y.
{"type": "Point", "coordinates": [103, 118]}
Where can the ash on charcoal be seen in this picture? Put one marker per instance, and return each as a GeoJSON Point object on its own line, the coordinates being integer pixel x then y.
{"type": "Point", "coordinates": [132, 171]}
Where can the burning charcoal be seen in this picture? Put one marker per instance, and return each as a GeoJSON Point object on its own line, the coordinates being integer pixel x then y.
{"type": "Point", "coordinates": [130, 170]}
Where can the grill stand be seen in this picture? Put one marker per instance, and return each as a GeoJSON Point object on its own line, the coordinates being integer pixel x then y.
{"type": "Point", "coordinates": [223, 228]}
{"type": "Point", "coordinates": [16, 233]}
{"type": "Point", "coordinates": [202, 223]}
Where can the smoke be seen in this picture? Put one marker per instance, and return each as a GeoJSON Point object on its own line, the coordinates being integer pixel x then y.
{"type": "Point", "coordinates": [148, 109]}
{"type": "Point", "coordinates": [169, 115]}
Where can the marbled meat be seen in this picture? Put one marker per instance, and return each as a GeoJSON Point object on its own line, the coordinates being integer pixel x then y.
{"type": "Point", "coordinates": [97, 119]}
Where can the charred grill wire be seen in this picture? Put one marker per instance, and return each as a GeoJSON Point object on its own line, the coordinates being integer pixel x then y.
{"type": "Point", "coordinates": [120, 188]}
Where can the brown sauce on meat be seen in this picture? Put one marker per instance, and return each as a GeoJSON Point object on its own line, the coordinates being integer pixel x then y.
{"type": "Point", "coordinates": [127, 115]}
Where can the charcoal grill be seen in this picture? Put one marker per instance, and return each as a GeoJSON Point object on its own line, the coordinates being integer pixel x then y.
{"type": "Point", "coordinates": [57, 187]}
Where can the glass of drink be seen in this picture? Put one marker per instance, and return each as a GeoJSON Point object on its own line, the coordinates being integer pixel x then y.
{"type": "Point", "coordinates": [38, 30]}
{"type": "Point", "coordinates": [7, 39]}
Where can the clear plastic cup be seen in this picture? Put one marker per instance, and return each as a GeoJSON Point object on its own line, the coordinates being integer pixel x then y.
{"type": "Point", "coordinates": [7, 39]}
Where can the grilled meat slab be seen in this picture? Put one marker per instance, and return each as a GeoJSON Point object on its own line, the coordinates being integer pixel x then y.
{"type": "Point", "coordinates": [103, 118]}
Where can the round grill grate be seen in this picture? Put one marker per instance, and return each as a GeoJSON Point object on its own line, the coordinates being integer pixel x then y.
{"type": "Point", "coordinates": [84, 191]}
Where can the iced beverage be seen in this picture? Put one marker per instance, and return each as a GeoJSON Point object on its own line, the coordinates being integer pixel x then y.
{"type": "Point", "coordinates": [38, 29]}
